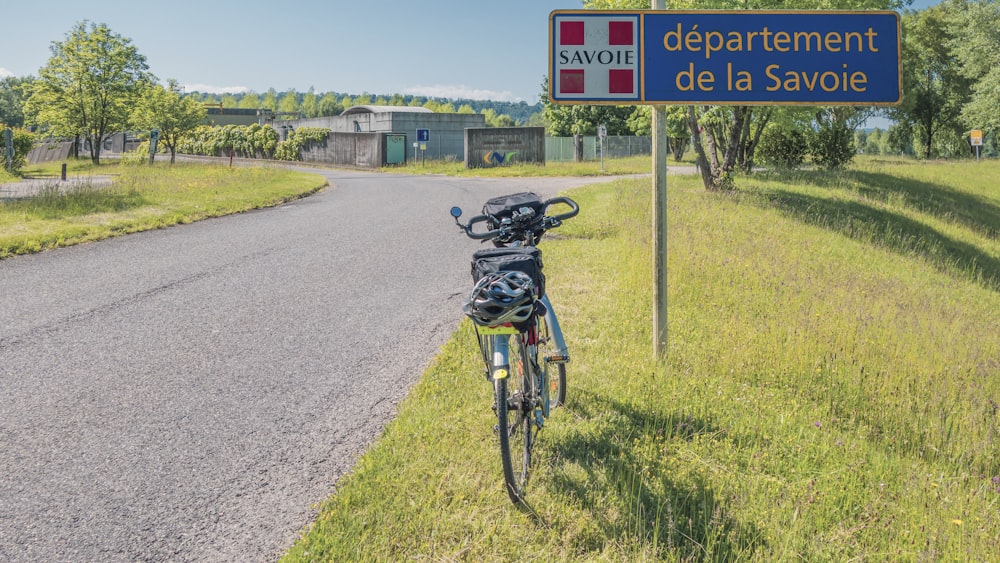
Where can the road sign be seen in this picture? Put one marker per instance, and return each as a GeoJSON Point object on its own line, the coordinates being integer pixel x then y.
{"type": "Point", "coordinates": [423, 135]}
{"type": "Point", "coordinates": [725, 57]}
{"type": "Point", "coordinates": [977, 138]}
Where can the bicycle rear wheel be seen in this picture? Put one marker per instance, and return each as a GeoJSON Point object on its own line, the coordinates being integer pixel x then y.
{"type": "Point", "coordinates": [515, 400]}
{"type": "Point", "coordinates": [556, 372]}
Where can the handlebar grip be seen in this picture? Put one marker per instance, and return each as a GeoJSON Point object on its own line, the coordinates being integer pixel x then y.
{"type": "Point", "coordinates": [574, 208]}
{"type": "Point", "coordinates": [483, 235]}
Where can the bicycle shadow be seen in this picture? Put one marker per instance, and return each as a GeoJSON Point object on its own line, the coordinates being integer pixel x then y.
{"type": "Point", "coordinates": [687, 518]}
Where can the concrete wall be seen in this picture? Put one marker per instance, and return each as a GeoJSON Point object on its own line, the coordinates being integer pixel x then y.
{"type": "Point", "coordinates": [366, 150]}
{"type": "Point", "coordinates": [49, 151]}
{"type": "Point", "coordinates": [489, 147]}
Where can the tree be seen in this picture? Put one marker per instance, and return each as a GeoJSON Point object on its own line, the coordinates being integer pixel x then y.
{"type": "Point", "coordinates": [310, 103]}
{"type": "Point", "coordinates": [173, 115]}
{"type": "Point", "coordinates": [89, 85]}
{"type": "Point", "coordinates": [289, 104]}
{"type": "Point", "coordinates": [494, 119]}
{"type": "Point", "coordinates": [250, 100]}
{"type": "Point", "coordinates": [12, 96]}
{"type": "Point", "coordinates": [328, 105]}
{"type": "Point", "coordinates": [935, 89]}
{"type": "Point", "coordinates": [975, 42]}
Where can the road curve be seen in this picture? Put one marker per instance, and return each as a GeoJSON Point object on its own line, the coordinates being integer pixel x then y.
{"type": "Point", "coordinates": [193, 393]}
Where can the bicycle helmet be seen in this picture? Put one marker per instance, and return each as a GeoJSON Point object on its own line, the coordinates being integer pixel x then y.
{"type": "Point", "coordinates": [501, 297]}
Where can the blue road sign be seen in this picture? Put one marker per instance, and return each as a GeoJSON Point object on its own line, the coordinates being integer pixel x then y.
{"type": "Point", "coordinates": [725, 57]}
{"type": "Point", "coordinates": [423, 135]}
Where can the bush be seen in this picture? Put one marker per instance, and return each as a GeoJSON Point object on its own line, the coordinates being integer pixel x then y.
{"type": "Point", "coordinates": [23, 141]}
{"type": "Point", "coordinates": [782, 147]}
{"type": "Point", "coordinates": [832, 146]}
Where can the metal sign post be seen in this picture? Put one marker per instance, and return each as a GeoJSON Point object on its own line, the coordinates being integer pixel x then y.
{"type": "Point", "coordinates": [977, 140]}
{"type": "Point", "coordinates": [423, 136]}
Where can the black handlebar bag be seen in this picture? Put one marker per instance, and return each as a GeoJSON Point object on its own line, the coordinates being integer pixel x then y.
{"type": "Point", "coordinates": [527, 259]}
{"type": "Point", "coordinates": [503, 207]}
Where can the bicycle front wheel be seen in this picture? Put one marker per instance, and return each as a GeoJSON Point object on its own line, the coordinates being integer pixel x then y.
{"type": "Point", "coordinates": [515, 401]}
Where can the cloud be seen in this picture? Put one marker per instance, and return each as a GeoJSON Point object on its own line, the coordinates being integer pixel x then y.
{"type": "Point", "coordinates": [209, 89]}
{"type": "Point", "coordinates": [461, 92]}
{"type": "Point", "coordinates": [4, 73]}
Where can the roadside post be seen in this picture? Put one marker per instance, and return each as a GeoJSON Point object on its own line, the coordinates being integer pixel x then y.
{"type": "Point", "coordinates": [977, 141]}
{"type": "Point", "coordinates": [154, 139]}
{"type": "Point", "coordinates": [602, 135]}
{"type": "Point", "coordinates": [8, 148]}
{"type": "Point", "coordinates": [423, 137]}
{"type": "Point", "coordinates": [719, 57]}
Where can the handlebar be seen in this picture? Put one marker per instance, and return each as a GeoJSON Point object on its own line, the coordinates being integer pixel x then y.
{"type": "Point", "coordinates": [574, 208]}
{"type": "Point", "coordinates": [525, 231]}
{"type": "Point", "coordinates": [485, 235]}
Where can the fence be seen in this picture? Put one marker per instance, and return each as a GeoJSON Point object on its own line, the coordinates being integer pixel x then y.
{"type": "Point", "coordinates": [560, 149]}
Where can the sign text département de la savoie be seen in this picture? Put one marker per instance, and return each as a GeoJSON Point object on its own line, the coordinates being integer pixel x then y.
{"type": "Point", "coordinates": [725, 57]}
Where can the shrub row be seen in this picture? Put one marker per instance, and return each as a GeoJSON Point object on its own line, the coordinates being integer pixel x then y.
{"type": "Point", "coordinates": [250, 141]}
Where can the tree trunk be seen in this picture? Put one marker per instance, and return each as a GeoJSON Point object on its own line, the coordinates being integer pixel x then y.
{"type": "Point", "coordinates": [699, 149]}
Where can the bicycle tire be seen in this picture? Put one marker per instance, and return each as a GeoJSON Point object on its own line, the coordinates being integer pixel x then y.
{"type": "Point", "coordinates": [555, 372]}
{"type": "Point", "coordinates": [515, 409]}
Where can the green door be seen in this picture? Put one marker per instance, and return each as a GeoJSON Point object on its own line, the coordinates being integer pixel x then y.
{"type": "Point", "coordinates": [395, 148]}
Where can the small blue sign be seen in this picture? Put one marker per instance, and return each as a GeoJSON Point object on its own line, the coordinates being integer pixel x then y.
{"type": "Point", "coordinates": [423, 135]}
{"type": "Point", "coordinates": [725, 57]}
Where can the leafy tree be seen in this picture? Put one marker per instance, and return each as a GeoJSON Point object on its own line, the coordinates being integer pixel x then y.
{"type": "Point", "coordinates": [89, 85]}
{"type": "Point", "coordinates": [270, 100]}
{"type": "Point", "coordinates": [173, 115]}
{"type": "Point", "coordinates": [328, 105]}
{"type": "Point", "coordinates": [230, 101]}
{"type": "Point", "coordinates": [250, 100]}
{"type": "Point", "coordinates": [975, 42]}
{"type": "Point", "coordinates": [289, 104]}
{"type": "Point", "coordinates": [12, 96]}
{"type": "Point", "coordinates": [494, 119]}
{"type": "Point", "coordinates": [310, 104]}
{"type": "Point", "coordinates": [935, 89]}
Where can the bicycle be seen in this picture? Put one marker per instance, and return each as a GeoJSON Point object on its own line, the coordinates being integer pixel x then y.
{"type": "Point", "coordinates": [516, 324]}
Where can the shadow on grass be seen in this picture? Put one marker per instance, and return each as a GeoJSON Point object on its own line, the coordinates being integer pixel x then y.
{"type": "Point", "coordinates": [631, 499]}
{"type": "Point", "coordinates": [969, 210]}
{"type": "Point", "coordinates": [877, 225]}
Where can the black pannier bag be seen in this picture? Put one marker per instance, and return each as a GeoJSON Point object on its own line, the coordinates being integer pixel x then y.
{"type": "Point", "coordinates": [503, 207]}
{"type": "Point", "coordinates": [527, 259]}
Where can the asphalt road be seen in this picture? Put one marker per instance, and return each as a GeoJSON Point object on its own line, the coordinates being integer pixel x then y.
{"type": "Point", "coordinates": [193, 393]}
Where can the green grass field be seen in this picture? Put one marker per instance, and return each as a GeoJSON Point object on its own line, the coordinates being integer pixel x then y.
{"type": "Point", "coordinates": [830, 391]}
{"type": "Point", "coordinates": [140, 198]}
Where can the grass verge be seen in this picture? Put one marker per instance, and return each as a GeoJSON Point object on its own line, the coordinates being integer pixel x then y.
{"type": "Point", "coordinates": [140, 198]}
{"type": "Point", "coordinates": [612, 167]}
{"type": "Point", "coordinates": [830, 390]}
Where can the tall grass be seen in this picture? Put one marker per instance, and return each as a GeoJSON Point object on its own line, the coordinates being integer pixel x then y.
{"type": "Point", "coordinates": [141, 198]}
{"type": "Point", "coordinates": [830, 391]}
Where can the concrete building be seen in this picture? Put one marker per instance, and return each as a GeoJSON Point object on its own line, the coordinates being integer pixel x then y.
{"type": "Point", "coordinates": [446, 131]}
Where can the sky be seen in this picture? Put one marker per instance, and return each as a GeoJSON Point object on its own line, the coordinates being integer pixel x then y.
{"type": "Point", "coordinates": [445, 48]}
